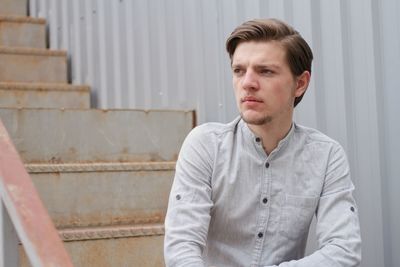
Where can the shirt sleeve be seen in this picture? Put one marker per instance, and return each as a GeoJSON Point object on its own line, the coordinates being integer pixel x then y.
{"type": "Point", "coordinates": [188, 215]}
{"type": "Point", "coordinates": [337, 229]}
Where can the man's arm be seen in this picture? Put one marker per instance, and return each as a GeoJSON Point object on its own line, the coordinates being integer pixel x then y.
{"type": "Point", "coordinates": [188, 216]}
{"type": "Point", "coordinates": [338, 230]}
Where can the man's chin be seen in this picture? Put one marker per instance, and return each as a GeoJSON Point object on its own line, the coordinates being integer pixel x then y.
{"type": "Point", "coordinates": [255, 120]}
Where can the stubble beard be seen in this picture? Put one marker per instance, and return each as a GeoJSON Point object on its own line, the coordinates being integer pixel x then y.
{"type": "Point", "coordinates": [256, 121]}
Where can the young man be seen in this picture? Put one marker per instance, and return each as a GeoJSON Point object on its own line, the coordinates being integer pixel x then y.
{"type": "Point", "coordinates": [245, 192]}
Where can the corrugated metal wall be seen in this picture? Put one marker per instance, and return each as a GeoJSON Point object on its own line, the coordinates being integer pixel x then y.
{"type": "Point", "coordinates": [170, 54]}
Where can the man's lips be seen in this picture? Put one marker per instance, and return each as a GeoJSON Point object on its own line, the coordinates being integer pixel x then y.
{"type": "Point", "coordinates": [250, 99]}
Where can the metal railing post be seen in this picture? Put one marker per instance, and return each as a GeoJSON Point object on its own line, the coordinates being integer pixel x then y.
{"type": "Point", "coordinates": [23, 212]}
{"type": "Point", "coordinates": [9, 256]}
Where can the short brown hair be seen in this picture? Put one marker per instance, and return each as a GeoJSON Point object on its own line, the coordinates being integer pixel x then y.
{"type": "Point", "coordinates": [298, 53]}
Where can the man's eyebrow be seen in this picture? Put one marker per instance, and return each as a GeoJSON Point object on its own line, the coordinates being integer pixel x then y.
{"type": "Point", "coordinates": [258, 66]}
{"type": "Point", "coordinates": [236, 65]}
{"type": "Point", "coordinates": [268, 66]}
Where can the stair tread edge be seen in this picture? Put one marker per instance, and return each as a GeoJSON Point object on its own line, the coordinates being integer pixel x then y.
{"type": "Point", "coordinates": [109, 232]}
{"type": "Point", "coordinates": [99, 166]}
{"type": "Point", "coordinates": [24, 19]}
{"type": "Point", "coordinates": [42, 86]}
{"type": "Point", "coordinates": [32, 51]}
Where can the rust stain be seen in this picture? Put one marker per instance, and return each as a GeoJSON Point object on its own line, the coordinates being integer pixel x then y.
{"type": "Point", "coordinates": [144, 252]}
{"type": "Point", "coordinates": [98, 219]}
{"type": "Point", "coordinates": [72, 152]}
{"type": "Point", "coordinates": [125, 150]}
{"type": "Point", "coordinates": [55, 160]}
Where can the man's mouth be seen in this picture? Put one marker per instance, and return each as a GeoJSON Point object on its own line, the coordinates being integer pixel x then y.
{"type": "Point", "coordinates": [251, 99]}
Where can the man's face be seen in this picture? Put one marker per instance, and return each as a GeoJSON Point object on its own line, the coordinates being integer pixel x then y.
{"type": "Point", "coordinates": [265, 88]}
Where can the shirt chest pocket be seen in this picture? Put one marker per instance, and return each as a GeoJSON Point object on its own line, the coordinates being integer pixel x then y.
{"type": "Point", "coordinates": [296, 216]}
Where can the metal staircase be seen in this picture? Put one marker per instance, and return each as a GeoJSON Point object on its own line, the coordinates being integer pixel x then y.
{"type": "Point", "coordinates": [103, 175]}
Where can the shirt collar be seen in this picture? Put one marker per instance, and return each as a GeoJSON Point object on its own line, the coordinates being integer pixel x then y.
{"type": "Point", "coordinates": [250, 135]}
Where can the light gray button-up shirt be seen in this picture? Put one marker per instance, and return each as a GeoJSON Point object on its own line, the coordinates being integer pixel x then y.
{"type": "Point", "coordinates": [232, 205]}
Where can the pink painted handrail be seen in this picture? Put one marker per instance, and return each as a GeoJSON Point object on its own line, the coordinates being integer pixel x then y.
{"type": "Point", "coordinates": [31, 221]}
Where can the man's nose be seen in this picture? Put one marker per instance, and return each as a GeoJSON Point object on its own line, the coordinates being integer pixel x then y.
{"type": "Point", "coordinates": [249, 81]}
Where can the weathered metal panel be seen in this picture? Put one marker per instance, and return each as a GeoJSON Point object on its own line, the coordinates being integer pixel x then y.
{"type": "Point", "coordinates": [59, 136]}
{"type": "Point", "coordinates": [105, 195]}
{"type": "Point", "coordinates": [32, 65]}
{"type": "Point", "coordinates": [22, 32]}
{"type": "Point", "coordinates": [118, 252]}
{"type": "Point", "coordinates": [362, 127]}
{"type": "Point", "coordinates": [387, 60]}
{"type": "Point", "coordinates": [14, 7]}
{"type": "Point", "coordinates": [36, 95]}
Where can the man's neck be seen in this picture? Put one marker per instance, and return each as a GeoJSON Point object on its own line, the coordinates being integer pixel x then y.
{"type": "Point", "coordinates": [271, 133]}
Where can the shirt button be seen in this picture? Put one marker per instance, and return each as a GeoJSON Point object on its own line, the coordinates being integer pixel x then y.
{"type": "Point", "coordinates": [258, 139]}
{"type": "Point", "coordinates": [267, 165]}
{"type": "Point", "coordinates": [265, 200]}
{"type": "Point", "coordinates": [260, 235]}
{"type": "Point", "coordinates": [178, 197]}
{"type": "Point", "coordinates": [352, 209]}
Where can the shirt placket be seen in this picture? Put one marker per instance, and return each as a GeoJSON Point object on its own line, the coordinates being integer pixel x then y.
{"type": "Point", "coordinates": [263, 207]}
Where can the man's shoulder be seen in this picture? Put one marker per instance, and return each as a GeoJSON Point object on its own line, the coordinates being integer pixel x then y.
{"type": "Point", "coordinates": [213, 129]}
{"type": "Point", "coordinates": [207, 136]}
{"type": "Point", "coordinates": [312, 135]}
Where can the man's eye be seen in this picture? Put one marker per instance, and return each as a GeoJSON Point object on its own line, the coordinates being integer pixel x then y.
{"type": "Point", "coordinates": [266, 71]}
{"type": "Point", "coordinates": [237, 71]}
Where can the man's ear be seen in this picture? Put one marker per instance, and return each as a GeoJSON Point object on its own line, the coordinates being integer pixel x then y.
{"type": "Point", "coordinates": [302, 82]}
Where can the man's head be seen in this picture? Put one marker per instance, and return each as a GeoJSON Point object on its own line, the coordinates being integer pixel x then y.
{"type": "Point", "coordinates": [298, 54]}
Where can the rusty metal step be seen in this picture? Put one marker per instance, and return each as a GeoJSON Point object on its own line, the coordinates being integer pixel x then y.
{"type": "Point", "coordinates": [14, 7]}
{"type": "Point", "coordinates": [44, 95]}
{"type": "Point", "coordinates": [18, 31]}
{"type": "Point", "coordinates": [32, 65]}
{"type": "Point", "coordinates": [74, 135]}
{"type": "Point", "coordinates": [108, 214]}
{"type": "Point", "coordinates": [104, 194]}
{"type": "Point", "coordinates": [139, 245]}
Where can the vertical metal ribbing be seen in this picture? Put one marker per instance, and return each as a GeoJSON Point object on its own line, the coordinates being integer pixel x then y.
{"type": "Point", "coordinates": [146, 57]}
{"type": "Point", "coordinates": [162, 47]}
{"type": "Point", "coordinates": [103, 52]}
{"type": "Point", "coordinates": [90, 50]}
{"type": "Point", "coordinates": [53, 24]}
{"type": "Point", "coordinates": [130, 52]}
{"type": "Point", "coordinates": [43, 8]}
{"type": "Point", "coordinates": [77, 44]}
{"type": "Point", "coordinates": [332, 66]}
{"type": "Point", "coordinates": [115, 45]}
{"type": "Point", "coordinates": [302, 20]}
{"type": "Point", "coordinates": [33, 8]}
{"type": "Point", "coordinates": [65, 26]}
{"type": "Point", "coordinates": [362, 113]}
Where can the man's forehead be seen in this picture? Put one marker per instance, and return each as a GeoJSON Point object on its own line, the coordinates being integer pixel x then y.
{"type": "Point", "coordinates": [270, 53]}
{"type": "Point", "coordinates": [267, 48]}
